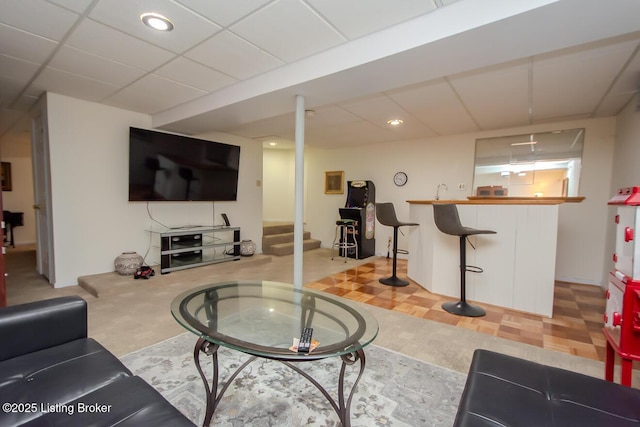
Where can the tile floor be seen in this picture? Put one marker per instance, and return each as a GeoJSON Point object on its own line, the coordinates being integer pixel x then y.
{"type": "Point", "coordinates": [574, 329]}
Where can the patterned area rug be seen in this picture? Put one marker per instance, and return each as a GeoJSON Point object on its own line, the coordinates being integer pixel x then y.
{"type": "Point", "coordinates": [395, 390]}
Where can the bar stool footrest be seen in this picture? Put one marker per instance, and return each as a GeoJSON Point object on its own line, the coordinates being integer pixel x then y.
{"type": "Point", "coordinates": [473, 269]}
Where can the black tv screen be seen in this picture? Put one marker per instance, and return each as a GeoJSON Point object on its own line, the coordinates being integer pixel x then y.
{"type": "Point", "coordinates": [168, 167]}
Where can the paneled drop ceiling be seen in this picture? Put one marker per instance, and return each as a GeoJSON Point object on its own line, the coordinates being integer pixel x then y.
{"type": "Point", "coordinates": [442, 66]}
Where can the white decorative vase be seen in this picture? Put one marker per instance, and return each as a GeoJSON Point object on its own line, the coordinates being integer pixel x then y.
{"type": "Point", "coordinates": [247, 248]}
{"type": "Point", "coordinates": [127, 263]}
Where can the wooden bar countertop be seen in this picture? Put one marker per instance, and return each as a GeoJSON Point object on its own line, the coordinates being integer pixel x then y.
{"type": "Point", "coordinates": [484, 200]}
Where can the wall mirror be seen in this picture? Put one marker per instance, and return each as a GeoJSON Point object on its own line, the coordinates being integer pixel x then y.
{"type": "Point", "coordinates": [545, 164]}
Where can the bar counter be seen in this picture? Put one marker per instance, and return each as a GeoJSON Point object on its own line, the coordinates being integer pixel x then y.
{"type": "Point", "coordinates": [518, 261]}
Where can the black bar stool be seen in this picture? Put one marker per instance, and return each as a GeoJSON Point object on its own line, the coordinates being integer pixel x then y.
{"type": "Point", "coordinates": [345, 228]}
{"type": "Point", "coordinates": [448, 221]}
{"type": "Point", "coordinates": [386, 214]}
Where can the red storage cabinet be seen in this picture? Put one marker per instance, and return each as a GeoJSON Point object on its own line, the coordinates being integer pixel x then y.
{"type": "Point", "coordinates": [622, 315]}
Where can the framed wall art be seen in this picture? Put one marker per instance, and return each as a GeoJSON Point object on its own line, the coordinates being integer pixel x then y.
{"type": "Point", "coordinates": [334, 182]}
{"type": "Point", "coordinates": [5, 175]}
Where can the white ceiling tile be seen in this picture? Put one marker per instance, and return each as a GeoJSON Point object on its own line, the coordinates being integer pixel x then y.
{"type": "Point", "coordinates": [95, 67]}
{"type": "Point", "coordinates": [103, 41]}
{"type": "Point", "coordinates": [152, 94]}
{"type": "Point", "coordinates": [356, 18]}
{"type": "Point", "coordinates": [376, 109]}
{"type": "Point", "coordinates": [498, 97]}
{"type": "Point", "coordinates": [233, 56]}
{"type": "Point", "coordinates": [33, 92]}
{"type": "Point", "coordinates": [17, 69]}
{"type": "Point", "coordinates": [412, 128]}
{"type": "Point", "coordinates": [9, 89]}
{"type": "Point", "coordinates": [79, 6]}
{"type": "Point", "coordinates": [581, 78]}
{"type": "Point", "coordinates": [628, 80]}
{"type": "Point", "coordinates": [99, 57]}
{"type": "Point", "coordinates": [317, 128]}
{"type": "Point", "coordinates": [26, 46]}
{"type": "Point", "coordinates": [289, 30]}
{"type": "Point", "coordinates": [63, 83]}
{"type": "Point", "coordinates": [354, 133]}
{"type": "Point", "coordinates": [331, 115]}
{"type": "Point", "coordinates": [124, 15]}
{"type": "Point", "coordinates": [223, 12]}
{"type": "Point", "coordinates": [50, 21]}
{"type": "Point", "coordinates": [280, 125]}
{"type": "Point", "coordinates": [437, 106]}
{"type": "Point", "coordinates": [623, 89]}
{"type": "Point", "coordinates": [612, 105]}
{"type": "Point", "coordinates": [193, 74]}
{"type": "Point", "coordinates": [25, 102]}
{"type": "Point", "coordinates": [8, 117]}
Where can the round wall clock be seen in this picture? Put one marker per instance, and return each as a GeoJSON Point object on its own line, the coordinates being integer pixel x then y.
{"type": "Point", "coordinates": [400, 179]}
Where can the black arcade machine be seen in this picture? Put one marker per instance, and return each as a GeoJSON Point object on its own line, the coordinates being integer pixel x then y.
{"type": "Point", "coordinates": [361, 207]}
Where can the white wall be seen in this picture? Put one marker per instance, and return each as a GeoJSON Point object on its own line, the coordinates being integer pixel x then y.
{"type": "Point", "coordinates": [582, 230]}
{"type": "Point", "coordinates": [20, 198]}
{"type": "Point", "coordinates": [93, 221]}
{"type": "Point", "coordinates": [627, 153]}
{"type": "Point", "coordinates": [582, 246]}
{"type": "Point", "coordinates": [279, 184]}
{"type": "Point", "coordinates": [626, 172]}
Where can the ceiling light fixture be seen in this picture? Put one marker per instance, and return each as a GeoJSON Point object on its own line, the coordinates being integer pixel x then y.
{"type": "Point", "coordinates": [273, 143]}
{"type": "Point", "coordinates": [156, 21]}
{"type": "Point", "coordinates": [395, 122]}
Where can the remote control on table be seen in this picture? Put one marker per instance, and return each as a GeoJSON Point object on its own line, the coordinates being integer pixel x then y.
{"type": "Point", "coordinates": [305, 340]}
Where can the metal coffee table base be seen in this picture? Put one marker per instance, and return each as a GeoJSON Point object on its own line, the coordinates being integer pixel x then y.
{"type": "Point", "coordinates": [342, 406]}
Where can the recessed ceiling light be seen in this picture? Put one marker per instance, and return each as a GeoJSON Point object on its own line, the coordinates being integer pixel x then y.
{"type": "Point", "coordinates": [157, 21]}
{"type": "Point", "coordinates": [273, 143]}
{"type": "Point", "coordinates": [395, 122]}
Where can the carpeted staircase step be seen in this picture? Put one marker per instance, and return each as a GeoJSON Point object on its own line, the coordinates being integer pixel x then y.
{"type": "Point", "coordinates": [277, 228]}
{"type": "Point", "coordinates": [275, 239]}
{"type": "Point", "coordinates": [106, 284]}
{"type": "Point", "coordinates": [287, 248]}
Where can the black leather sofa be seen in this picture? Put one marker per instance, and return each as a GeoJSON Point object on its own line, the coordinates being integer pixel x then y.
{"type": "Point", "coordinates": [52, 374]}
{"type": "Point", "coordinates": [506, 391]}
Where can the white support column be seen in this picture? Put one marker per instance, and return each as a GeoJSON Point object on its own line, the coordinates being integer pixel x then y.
{"type": "Point", "coordinates": [298, 229]}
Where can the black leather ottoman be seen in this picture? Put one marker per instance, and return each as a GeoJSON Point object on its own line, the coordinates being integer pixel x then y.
{"type": "Point", "coordinates": [506, 391]}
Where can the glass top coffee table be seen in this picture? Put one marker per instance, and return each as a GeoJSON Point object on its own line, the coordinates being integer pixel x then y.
{"type": "Point", "coordinates": [262, 318]}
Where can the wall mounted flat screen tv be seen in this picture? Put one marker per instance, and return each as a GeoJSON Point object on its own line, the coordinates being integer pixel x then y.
{"type": "Point", "coordinates": [168, 167]}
